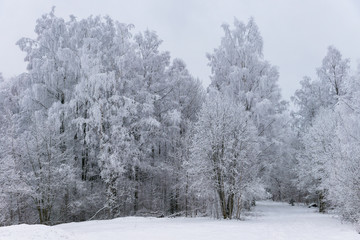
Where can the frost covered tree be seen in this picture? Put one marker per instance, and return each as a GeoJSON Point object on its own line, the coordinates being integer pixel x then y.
{"type": "Point", "coordinates": [13, 190]}
{"type": "Point", "coordinates": [319, 121]}
{"type": "Point", "coordinates": [343, 182]}
{"type": "Point", "coordinates": [342, 165]}
{"type": "Point", "coordinates": [240, 71]}
{"type": "Point", "coordinates": [100, 110]}
{"type": "Point", "coordinates": [180, 106]}
{"type": "Point", "coordinates": [324, 91]}
{"type": "Point", "coordinates": [321, 151]}
{"type": "Point", "coordinates": [334, 72]}
{"type": "Point", "coordinates": [53, 72]}
{"type": "Point", "coordinates": [223, 160]}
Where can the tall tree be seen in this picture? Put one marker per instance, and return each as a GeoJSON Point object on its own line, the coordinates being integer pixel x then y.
{"type": "Point", "coordinates": [240, 71]}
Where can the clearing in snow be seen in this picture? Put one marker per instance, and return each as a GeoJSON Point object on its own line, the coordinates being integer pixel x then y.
{"type": "Point", "coordinates": [270, 221]}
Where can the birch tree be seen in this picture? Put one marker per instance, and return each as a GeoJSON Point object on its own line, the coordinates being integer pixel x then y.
{"type": "Point", "coordinates": [224, 155]}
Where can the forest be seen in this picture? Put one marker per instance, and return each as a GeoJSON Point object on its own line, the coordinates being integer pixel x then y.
{"type": "Point", "coordinates": [105, 124]}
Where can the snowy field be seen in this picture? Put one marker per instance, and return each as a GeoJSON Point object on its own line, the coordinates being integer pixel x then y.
{"type": "Point", "coordinates": [270, 221]}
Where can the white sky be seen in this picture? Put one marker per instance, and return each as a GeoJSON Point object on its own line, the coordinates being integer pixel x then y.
{"type": "Point", "coordinates": [296, 33]}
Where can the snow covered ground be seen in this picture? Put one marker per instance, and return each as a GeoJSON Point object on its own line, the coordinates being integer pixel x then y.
{"type": "Point", "coordinates": [270, 221]}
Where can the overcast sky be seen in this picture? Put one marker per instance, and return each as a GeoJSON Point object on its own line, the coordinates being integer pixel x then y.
{"type": "Point", "coordinates": [296, 33]}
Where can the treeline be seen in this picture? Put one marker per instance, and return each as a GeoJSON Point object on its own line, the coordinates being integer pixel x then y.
{"type": "Point", "coordinates": [104, 124]}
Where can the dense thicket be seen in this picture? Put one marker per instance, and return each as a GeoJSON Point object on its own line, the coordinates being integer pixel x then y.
{"type": "Point", "coordinates": [97, 126]}
{"type": "Point", "coordinates": [105, 124]}
{"type": "Point", "coordinates": [327, 122]}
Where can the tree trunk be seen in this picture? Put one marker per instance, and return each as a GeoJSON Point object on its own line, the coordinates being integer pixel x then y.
{"type": "Point", "coordinates": [222, 203]}
{"type": "Point", "coordinates": [136, 192]}
{"type": "Point", "coordinates": [112, 196]}
{"type": "Point", "coordinates": [322, 204]}
{"type": "Point", "coordinates": [44, 212]}
{"type": "Point", "coordinates": [230, 206]}
{"type": "Point", "coordinates": [238, 207]}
